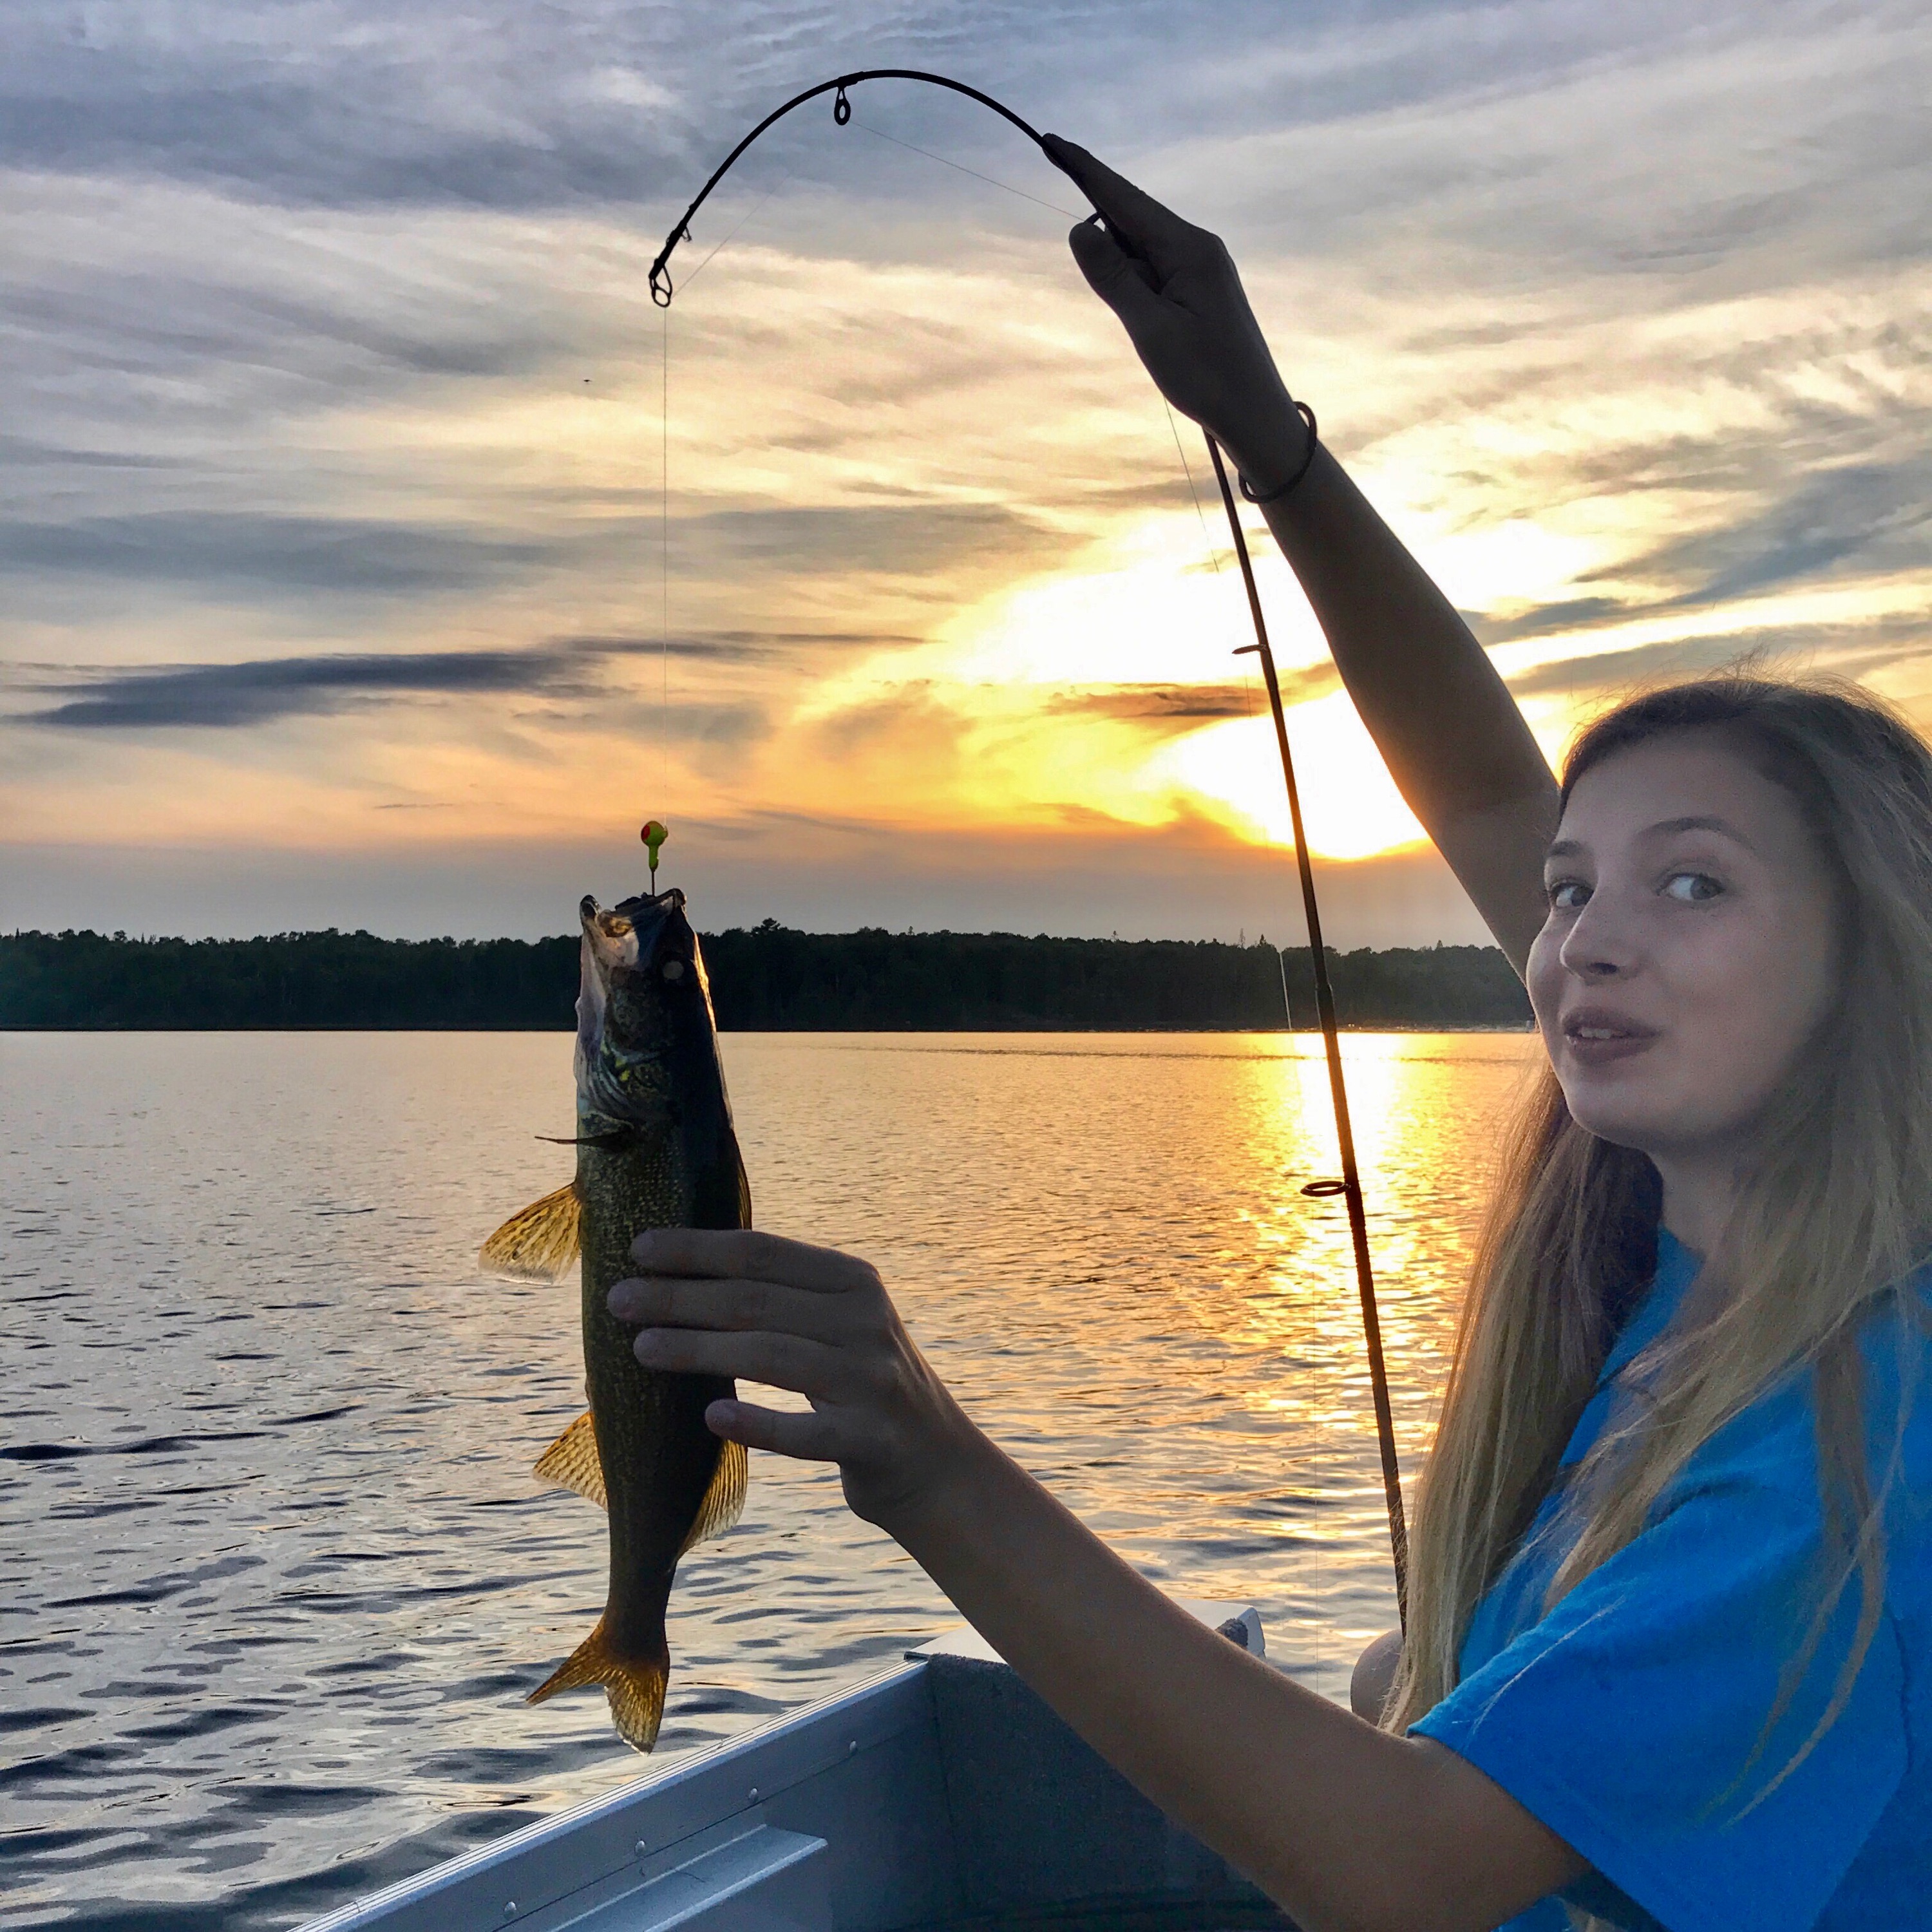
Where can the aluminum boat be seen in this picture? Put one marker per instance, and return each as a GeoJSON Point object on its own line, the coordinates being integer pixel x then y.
{"type": "Point", "coordinates": [940, 1796]}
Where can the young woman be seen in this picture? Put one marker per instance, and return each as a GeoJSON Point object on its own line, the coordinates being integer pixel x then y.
{"type": "Point", "coordinates": [1667, 1661]}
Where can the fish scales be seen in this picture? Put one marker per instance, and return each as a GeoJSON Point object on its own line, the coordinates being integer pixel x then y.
{"type": "Point", "coordinates": [655, 1148]}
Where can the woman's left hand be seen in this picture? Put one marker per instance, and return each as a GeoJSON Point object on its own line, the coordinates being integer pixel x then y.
{"type": "Point", "coordinates": [740, 1304]}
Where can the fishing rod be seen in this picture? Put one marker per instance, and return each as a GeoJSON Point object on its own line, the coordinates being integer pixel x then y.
{"type": "Point", "coordinates": [1350, 1185]}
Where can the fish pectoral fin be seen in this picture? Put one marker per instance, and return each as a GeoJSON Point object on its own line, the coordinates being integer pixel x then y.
{"type": "Point", "coordinates": [724, 1501]}
{"type": "Point", "coordinates": [572, 1462]}
{"type": "Point", "coordinates": [634, 1686]}
{"type": "Point", "coordinates": [540, 1243]}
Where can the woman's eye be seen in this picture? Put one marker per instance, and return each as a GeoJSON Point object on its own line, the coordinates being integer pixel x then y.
{"type": "Point", "coordinates": [1569, 895]}
{"type": "Point", "coordinates": [1692, 887]}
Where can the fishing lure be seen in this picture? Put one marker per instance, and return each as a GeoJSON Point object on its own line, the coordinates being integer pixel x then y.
{"type": "Point", "coordinates": [1349, 1186]}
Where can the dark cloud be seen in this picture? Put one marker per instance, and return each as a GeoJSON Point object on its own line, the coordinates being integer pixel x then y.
{"type": "Point", "coordinates": [1848, 651]}
{"type": "Point", "coordinates": [1873, 516]}
{"type": "Point", "coordinates": [243, 550]}
{"type": "Point", "coordinates": [250, 554]}
{"type": "Point", "coordinates": [1184, 704]}
{"type": "Point", "coordinates": [1545, 620]}
{"type": "Point", "coordinates": [226, 695]}
{"type": "Point", "coordinates": [223, 696]}
{"type": "Point", "coordinates": [1876, 514]}
{"type": "Point", "coordinates": [1182, 707]}
{"type": "Point", "coordinates": [739, 646]}
{"type": "Point", "coordinates": [29, 453]}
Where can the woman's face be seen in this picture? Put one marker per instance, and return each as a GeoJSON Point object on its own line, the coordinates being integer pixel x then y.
{"type": "Point", "coordinates": [1689, 951]}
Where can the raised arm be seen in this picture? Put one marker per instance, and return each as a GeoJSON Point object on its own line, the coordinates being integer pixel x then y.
{"type": "Point", "coordinates": [1453, 739]}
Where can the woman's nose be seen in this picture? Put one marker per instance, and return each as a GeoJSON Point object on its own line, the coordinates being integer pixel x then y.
{"type": "Point", "coordinates": [1598, 945]}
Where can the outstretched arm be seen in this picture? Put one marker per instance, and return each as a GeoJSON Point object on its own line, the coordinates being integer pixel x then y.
{"type": "Point", "coordinates": [1453, 739]}
{"type": "Point", "coordinates": [1346, 1826]}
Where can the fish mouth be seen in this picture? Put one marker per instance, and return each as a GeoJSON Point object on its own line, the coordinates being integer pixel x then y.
{"type": "Point", "coordinates": [646, 934]}
{"type": "Point", "coordinates": [1596, 1036]}
{"type": "Point", "coordinates": [634, 954]}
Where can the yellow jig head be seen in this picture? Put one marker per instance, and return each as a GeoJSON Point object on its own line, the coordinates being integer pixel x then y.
{"type": "Point", "coordinates": [654, 835]}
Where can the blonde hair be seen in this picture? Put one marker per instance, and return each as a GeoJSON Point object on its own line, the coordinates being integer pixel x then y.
{"type": "Point", "coordinates": [1827, 1224]}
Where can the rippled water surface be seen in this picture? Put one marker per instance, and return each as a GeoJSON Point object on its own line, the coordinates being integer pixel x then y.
{"type": "Point", "coordinates": [275, 1575]}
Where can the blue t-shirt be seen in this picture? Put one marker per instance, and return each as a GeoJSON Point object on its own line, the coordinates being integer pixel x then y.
{"type": "Point", "coordinates": [1626, 1718]}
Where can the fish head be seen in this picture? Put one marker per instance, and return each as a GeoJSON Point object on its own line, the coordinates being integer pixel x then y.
{"type": "Point", "coordinates": [643, 993]}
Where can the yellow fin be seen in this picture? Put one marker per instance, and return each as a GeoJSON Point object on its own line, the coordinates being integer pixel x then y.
{"type": "Point", "coordinates": [540, 1243]}
{"type": "Point", "coordinates": [572, 1462]}
{"type": "Point", "coordinates": [724, 1501]}
{"type": "Point", "coordinates": [636, 1690]}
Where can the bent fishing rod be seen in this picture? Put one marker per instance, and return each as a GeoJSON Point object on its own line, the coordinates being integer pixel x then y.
{"type": "Point", "coordinates": [1349, 1186]}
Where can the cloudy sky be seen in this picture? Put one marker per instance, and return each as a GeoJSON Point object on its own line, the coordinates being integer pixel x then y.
{"type": "Point", "coordinates": [353, 570]}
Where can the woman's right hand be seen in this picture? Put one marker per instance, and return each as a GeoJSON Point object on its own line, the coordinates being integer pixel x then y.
{"type": "Point", "coordinates": [753, 1306]}
{"type": "Point", "coordinates": [1178, 295]}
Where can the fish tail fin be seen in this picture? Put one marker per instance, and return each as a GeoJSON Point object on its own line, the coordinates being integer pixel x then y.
{"type": "Point", "coordinates": [635, 1686]}
{"type": "Point", "coordinates": [724, 1501]}
{"type": "Point", "coordinates": [539, 1243]}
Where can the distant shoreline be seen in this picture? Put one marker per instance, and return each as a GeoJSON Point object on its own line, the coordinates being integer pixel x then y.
{"type": "Point", "coordinates": [765, 979]}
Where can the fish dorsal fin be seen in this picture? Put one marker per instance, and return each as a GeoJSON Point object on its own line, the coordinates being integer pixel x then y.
{"type": "Point", "coordinates": [571, 1463]}
{"type": "Point", "coordinates": [724, 1501]}
{"type": "Point", "coordinates": [540, 1243]}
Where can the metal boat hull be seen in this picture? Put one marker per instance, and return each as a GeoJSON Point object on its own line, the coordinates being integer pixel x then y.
{"type": "Point", "coordinates": [941, 1794]}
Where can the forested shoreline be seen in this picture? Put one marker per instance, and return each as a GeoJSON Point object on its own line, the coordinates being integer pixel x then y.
{"type": "Point", "coordinates": [765, 978]}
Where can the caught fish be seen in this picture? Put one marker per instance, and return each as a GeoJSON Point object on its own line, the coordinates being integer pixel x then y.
{"type": "Point", "coordinates": [655, 1149]}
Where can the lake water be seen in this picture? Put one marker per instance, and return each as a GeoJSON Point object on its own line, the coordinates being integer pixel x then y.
{"type": "Point", "coordinates": [274, 1574]}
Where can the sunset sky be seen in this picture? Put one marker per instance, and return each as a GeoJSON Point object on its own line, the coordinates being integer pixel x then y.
{"type": "Point", "coordinates": [342, 583]}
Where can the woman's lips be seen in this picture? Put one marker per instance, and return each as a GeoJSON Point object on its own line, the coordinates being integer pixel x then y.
{"type": "Point", "coordinates": [1598, 1039]}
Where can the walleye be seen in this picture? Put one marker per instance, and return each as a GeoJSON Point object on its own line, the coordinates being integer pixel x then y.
{"type": "Point", "coordinates": [655, 1149]}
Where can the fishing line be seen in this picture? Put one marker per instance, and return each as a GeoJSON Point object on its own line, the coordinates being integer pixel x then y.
{"type": "Point", "coordinates": [1350, 1186]}
{"type": "Point", "coordinates": [958, 167]}
{"type": "Point", "coordinates": [756, 207]}
{"type": "Point", "coordinates": [1187, 470]}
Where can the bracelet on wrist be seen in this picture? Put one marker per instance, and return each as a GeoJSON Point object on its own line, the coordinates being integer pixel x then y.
{"type": "Point", "coordinates": [1300, 469]}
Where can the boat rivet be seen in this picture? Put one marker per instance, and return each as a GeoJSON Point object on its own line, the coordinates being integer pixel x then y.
{"type": "Point", "coordinates": [643, 1846]}
{"type": "Point", "coordinates": [852, 1749]}
{"type": "Point", "coordinates": [510, 1908]}
{"type": "Point", "coordinates": [754, 1794]}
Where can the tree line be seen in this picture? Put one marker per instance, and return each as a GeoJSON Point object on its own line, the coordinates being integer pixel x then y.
{"type": "Point", "coordinates": [768, 977]}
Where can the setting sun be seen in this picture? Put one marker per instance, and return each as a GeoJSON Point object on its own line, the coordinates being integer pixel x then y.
{"type": "Point", "coordinates": [1349, 802]}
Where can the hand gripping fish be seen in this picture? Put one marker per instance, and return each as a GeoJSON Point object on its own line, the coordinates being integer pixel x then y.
{"type": "Point", "coordinates": [655, 1149]}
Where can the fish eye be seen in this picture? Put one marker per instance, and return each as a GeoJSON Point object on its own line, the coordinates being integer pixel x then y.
{"type": "Point", "coordinates": [673, 969]}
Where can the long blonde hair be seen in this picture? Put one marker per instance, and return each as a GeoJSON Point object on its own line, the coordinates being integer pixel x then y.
{"type": "Point", "coordinates": [1831, 1220]}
